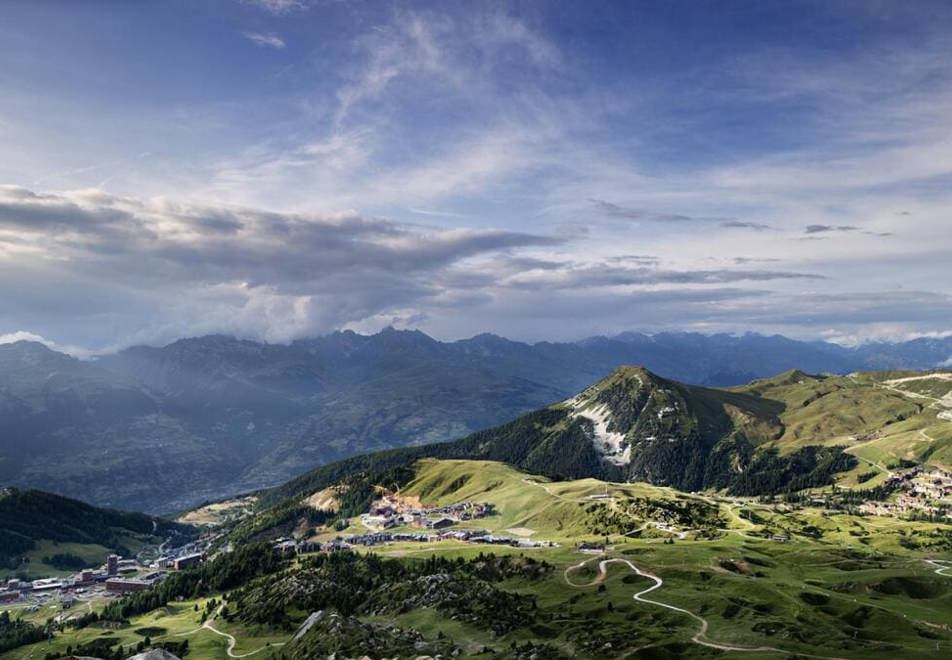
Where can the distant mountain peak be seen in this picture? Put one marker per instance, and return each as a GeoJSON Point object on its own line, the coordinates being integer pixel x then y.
{"type": "Point", "coordinates": [32, 347]}
{"type": "Point", "coordinates": [790, 377]}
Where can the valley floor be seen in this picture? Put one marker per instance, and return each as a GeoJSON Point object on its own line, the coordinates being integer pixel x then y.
{"type": "Point", "coordinates": [636, 571]}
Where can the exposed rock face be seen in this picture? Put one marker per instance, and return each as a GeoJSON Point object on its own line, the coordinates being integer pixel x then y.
{"type": "Point", "coordinates": [155, 654]}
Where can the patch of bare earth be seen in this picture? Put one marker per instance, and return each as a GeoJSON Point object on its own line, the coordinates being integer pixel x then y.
{"type": "Point", "coordinates": [326, 500]}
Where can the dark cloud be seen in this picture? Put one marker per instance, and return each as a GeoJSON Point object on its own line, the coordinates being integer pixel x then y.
{"type": "Point", "coordinates": [99, 271]}
{"type": "Point", "coordinates": [822, 229]}
{"type": "Point", "coordinates": [827, 229]}
{"type": "Point", "coordinates": [215, 245]}
{"type": "Point", "coordinates": [741, 224]}
{"type": "Point", "coordinates": [207, 268]}
{"type": "Point", "coordinates": [639, 259]}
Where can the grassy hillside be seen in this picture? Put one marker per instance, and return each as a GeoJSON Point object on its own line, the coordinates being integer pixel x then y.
{"type": "Point", "coordinates": [666, 433]}
{"type": "Point", "coordinates": [534, 505]}
{"type": "Point", "coordinates": [881, 417]}
{"type": "Point", "coordinates": [838, 586]}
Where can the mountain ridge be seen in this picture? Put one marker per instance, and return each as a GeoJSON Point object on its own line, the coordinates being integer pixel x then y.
{"type": "Point", "coordinates": [771, 436]}
{"type": "Point", "coordinates": [31, 520]}
{"type": "Point", "coordinates": [229, 415]}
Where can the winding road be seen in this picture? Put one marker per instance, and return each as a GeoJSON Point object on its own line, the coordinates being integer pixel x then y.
{"type": "Point", "coordinates": [940, 567]}
{"type": "Point", "coordinates": [700, 637]}
{"type": "Point", "coordinates": [230, 650]}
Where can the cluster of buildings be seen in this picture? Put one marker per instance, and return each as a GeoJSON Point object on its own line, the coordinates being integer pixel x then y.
{"type": "Point", "coordinates": [117, 576]}
{"type": "Point", "coordinates": [392, 511]}
{"type": "Point", "coordinates": [465, 535]}
{"type": "Point", "coordinates": [590, 548]}
{"type": "Point", "coordinates": [927, 492]}
{"type": "Point", "coordinates": [290, 546]}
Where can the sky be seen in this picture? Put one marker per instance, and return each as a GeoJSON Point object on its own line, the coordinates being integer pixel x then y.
{"type": "Point", "coordinates": [277, 169]}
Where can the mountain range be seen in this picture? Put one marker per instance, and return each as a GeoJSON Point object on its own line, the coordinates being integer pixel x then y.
{"type": "Point", "coordinates": [162, 428]}
{"type": "Point", "coordinates": [771, 436]}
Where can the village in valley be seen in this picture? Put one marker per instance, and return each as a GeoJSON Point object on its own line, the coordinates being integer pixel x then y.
{"type": "Point", "coordinates": [920, 492]}
{"type": "Point", "coordinates": [116, 577]}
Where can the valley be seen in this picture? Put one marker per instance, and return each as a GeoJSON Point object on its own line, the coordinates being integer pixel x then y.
{"type": "Point", "coordinates": [799, 515]}
{"type": "Point", "coordinates": [618, 570]}
{"type": "Point", "coordinates": [215, 417]}
{"type": "Point", "coordinates": [451, 330]}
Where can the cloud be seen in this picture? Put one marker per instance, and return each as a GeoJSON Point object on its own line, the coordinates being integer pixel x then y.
{"type": "Point", "coordinates": [753, 260]}
{"type": "Point", "coordinates": [456, 53]}
{"type": "Point", "coordinates": [265, 40]}
{"type": "Point", "coordinates": [232, 241]}
{"type": "Point", "coordinates": [740, 224]}
{"type": "Point", "coordinates": [608, 275]}
{"type": "Point", "coordinates": [23, 335]}
{"type": "Point", "coordinates": [946, 363]}
{"type": "Point", "coordinates": [822, 229]}
{"type": "Point", "coordinates": [279, 6]}
{"type": "Point", "coordinates": [826, 229]}
{"type": "Point", "coordinates": [269, 274]}
{"type": "Point", "coordinates": [472, 116]}
{"type": "Point", "coordinates": [615, 211]}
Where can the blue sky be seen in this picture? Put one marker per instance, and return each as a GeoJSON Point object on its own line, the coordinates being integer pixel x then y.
{"type": "Point", "coordinates": [277, 169]}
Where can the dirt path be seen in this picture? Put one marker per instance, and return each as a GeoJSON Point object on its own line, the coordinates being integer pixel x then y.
{"type": "Point", "coordinates": [926, 436]}
{"type": "Point", "coordinates": [941, 568]}
{"type": "Point", "coordinates": [232, 642]}
{"type": "Point", "coordinates": [700, 637]}
{"type": "Point", "coordinates": [944, 404]}
{"type": "Point", "coordinates": [544, 487]}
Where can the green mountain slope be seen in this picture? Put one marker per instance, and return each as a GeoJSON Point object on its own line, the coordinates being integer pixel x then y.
{"type": "Point", "coordinates": [678, 574]}
{"type": "Point", "coordinates": [35, 525]}
{"type": "Point", "coordinates": [787, 433]}
{"type": "Point", "coordinates": [211, 417]}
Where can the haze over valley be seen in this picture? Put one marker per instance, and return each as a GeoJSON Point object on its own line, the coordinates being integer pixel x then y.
{"type": "Point", "coordinates": [212, 417]}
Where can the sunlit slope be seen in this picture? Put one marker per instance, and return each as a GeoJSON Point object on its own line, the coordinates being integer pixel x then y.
{"type": "Point", "coordinates": [772, 436]}
{"type": "Point", "coordinates": [533, 504]}
{"type": "Point", "coordinates": [883, 417]}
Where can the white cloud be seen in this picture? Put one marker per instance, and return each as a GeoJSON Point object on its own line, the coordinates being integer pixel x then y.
{"type": "Point", "coordinates": [279, 6]}
{"type": "Point", "coordinates": [487, 120]}
{"type": "Point", "coordinates": [265, 40]}
{"type": "Point", "coordinates": [23, 335]}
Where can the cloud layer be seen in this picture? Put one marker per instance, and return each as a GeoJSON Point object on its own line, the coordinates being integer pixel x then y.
{"type": "Point", "coordinates": [543, 172]}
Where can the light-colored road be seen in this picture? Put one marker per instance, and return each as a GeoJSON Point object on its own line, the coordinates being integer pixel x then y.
{"type": "Point", "coordinates": [700, 637]}
{"type": "Point", "coordinates": [230, 650]}
{"type": "Point", "coordinates": [941, 568]}
{"type": "Point", "coordinates": [543, 486]}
